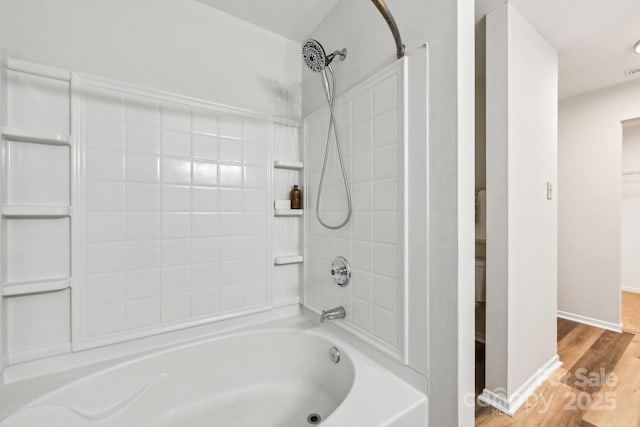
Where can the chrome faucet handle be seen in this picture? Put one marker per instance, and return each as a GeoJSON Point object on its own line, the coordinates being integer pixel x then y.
{"type": "Point", "coordinates": [341, 271]}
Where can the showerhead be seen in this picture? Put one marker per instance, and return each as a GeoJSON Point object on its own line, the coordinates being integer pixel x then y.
{"type": "Point", "coordinates": [315, 56]}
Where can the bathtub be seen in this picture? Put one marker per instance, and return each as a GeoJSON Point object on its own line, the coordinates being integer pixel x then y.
{"type": "Point", "coordinates": [258, 376]}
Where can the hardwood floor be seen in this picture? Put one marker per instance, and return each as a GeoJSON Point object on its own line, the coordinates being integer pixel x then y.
{"type": "Point", "coordinates": [631, 312]}
{"type": "Point", "coordinates": [597, 385]}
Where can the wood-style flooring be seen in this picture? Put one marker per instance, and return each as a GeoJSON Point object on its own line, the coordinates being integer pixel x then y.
{"type": "Point", "coordinates": [631, 312]}
{"type": "Point", "coordinates": [597, 385]}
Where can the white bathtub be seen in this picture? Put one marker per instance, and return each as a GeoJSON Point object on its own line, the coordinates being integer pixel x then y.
{"type": "Point", "coordinates": [275, 377]}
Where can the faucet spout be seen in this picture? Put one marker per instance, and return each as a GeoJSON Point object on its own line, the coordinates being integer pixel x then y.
{"type": "Point", "coordinates": [334, 313]}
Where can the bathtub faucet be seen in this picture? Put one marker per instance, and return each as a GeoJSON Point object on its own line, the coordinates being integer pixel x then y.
{"type": "Point", "coordinates": [334, 313]}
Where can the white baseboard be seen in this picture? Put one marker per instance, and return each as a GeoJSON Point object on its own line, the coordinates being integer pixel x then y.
{"type": "Point", "coordinates": [631, 289]}
{"type": "Point", "coordinates": [591, 322]}
{"type": "Point", "coordinates": [510, 404]}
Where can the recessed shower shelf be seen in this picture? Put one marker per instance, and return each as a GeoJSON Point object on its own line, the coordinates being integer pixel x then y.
{"type": "Point", "coordinates": [36, 211]}
{"type": "Point", "coordinates": [288, 259]}
{"type": "Point", "coordinates": [16, 134]}
{"type": "Point", "coordinates": [279, 164]}
{"type": "Point", "coordinates": [36, 287]}
{"type": "Point", "coordinates": [287, 212]}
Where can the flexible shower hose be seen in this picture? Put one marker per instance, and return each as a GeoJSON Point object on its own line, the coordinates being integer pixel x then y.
{"type": "Point", "coordinates": [330, 93]}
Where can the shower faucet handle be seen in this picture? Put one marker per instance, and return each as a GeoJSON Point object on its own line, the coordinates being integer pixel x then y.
{"type": "Point", "coordinates": [341, 271]}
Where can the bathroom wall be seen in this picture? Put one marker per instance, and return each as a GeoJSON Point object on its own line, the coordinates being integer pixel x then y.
{"type": "Point", "coordinates": [630, 208]}
{"type": "Point", "coordinates": [176, 47]}
{"type": "Point", "coordinates": [441, 234]}
{"type": "Point", "coordinates": [590, 192]}
{"type": "Point", "coordinates": [521, 215]}
{"type": "Point", "coordinates": [180, 46]}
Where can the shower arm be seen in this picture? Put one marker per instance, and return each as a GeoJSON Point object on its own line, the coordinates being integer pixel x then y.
{"type": "Point", "coordinates": [386, 14]}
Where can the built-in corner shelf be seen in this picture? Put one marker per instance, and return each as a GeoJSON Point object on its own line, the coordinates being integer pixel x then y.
{"type": "Point", "coordinates": [36, 211]}
{"type": "Point", "coordinates": [280, 164]}
{"type": "Point", "coordinates": [287, 212]}
{"type": "Point", "coordinates": [288, 259]}
{"type": "Point", "coordinates": [36, 287]}
{"type": "Point", "coordinates": [36, 137]}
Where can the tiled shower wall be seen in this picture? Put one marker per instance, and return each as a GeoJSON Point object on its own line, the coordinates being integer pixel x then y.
{"type": "Point", "coordinates": [176, 201]}
{"type": "Point", "coordinates": [370, 122]}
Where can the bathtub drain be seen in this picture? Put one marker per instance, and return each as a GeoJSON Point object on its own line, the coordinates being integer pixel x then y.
{"type": "Point", "coordinates": [314, 419]}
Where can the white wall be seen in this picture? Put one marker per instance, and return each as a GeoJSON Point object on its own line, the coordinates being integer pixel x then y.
{"type": "Point", "coordinates": [176, 45]}
{"type": "Point", "coordinates": [590, 191]}
{"type": "Point", "coordinates": [448, 29]}
{"type": "Point", "coordinates": [521, 222]}
{"type": "Point", "coordinates": [630, 208]}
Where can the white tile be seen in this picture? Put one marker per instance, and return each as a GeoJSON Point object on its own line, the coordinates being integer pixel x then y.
{"type": "Point", "coordinates": [361, 284]}
{"type": "Point", "coordinates": [37, 249]}
{"type": "Point", "coordinates": [231, 200]}
{"type": "Point", "coordinates": [255, 293]}
{"type": "Point", "coordinates": [362, 255]}
{"type": "Point", "coordinates": [255, 270]}
{"type": "Point", "coordinates": [255, 176]}
{"type": "Point", "coordinates": [103, 164]}
{"type": "Point", "coordinates": [143, 283]}
{"type": "Point", "coordinates": [362, 107]}
{"type": "Point", "coordinates": [143, 226]}
{"type": "Point", "coordinates": [255, 200]}
{"type": "Point", "coordinates": [143, 254]}
{"type": "Point", "coordinates": [176, 307]}
{"type": "Point", "coordinates": [255, 247]}
{"type": "Point", "coordinates": [385, 195]}
{"type": "Point", "coordinates": [142, 110]}
{"type": "Point", "coordinates": [254, 224]}
{"type": "Point", "coordinates": [231, 224]}
{"type": "Point", "coordinates": [175, 171]}
{"type": "Point", "coordinates": [105, 319]}
{"type": "Point", "coordinates": [385, 129]}
{"type": "Point", "coordinates": [204, 224]}
{"type": "Point", "coordinates": [230, 150]}
{"type": "Point", "coordinates": [176, 225]}
{"type": "Point", "coordinates": [204, 275]}
{"type": "Point", "coordinates": [385, 162]}
{"type": "Point", "coordinates": [142, 196]}
{"type": "Point", "coordinates": [255, 130]}
{"type": "Point", "coordinates": [231, 297]}
{"type": "Point", "coordinates": [142, 167]}
{"type": "Point", "coordinates": [230, 273]}
{"type": "Point", "coordinates": [231, 175]}
{"type": "Point", "coordinates": [106, 135]}
{"type": "Point", "coordinates": [104, 104]}
{"type": "Point", "coordinates": [175, 143]}
{"type": "Point", "coordinates": [385, 326]}
{"type": "Point", "coordinates": [342, 115]}
{"type": "Point", "coordinates": [176, 252]}
{"type": "Point", "coordinates": [205, 302]}
{"type": "Point", "coordinates": [105, 226]}
{"type": "Point", "coordinates": [176, 279]}
{"type": "Point", "coordinates": [205, 173]}
{"type": "Point", "coordinates": [37, 103]}
{"type": "Point", "coordinates": [385, 227]}
{"type": "Point", "coordinates": [142, 138]}
{"type": "Point", "coordinates": [175, 117]}
{"type": "Point", "coordinates": [105, 195]}
{"type": "Point", "coordinates": [143, 312]}
{"type": "Point", "coordinates": [361, 197]}
{"type": "Point", "coordinates": [105, 288]}
{"type": "Point", "coordinates": [385, 293]}
{"type": "Point", "coordinates": [362, 170]}
{"type": "Point", "coordinates": [230, 126]}
{"type": "Point", "coordinates": [385, 95]}
{"type": "Point", "coordinates": [231, 248]}
{"type": "Point", "coordinates": [204, 146]}
{"type": "Point", "coordinates": [205, 121]}
{"type": "Point", "coordinates": [176, 198]}
{"type": "Point", "coordinates": [204, 199]}
{"type": "Point", "coordinates": [385, 260]}
{"type": "Point", "coordinates": [361, 314]}
{"type": "Point", "coordinates": [37, 174]}
{"type": "Point", "coordinates": [255, 153]}
{"type": "Point", "coordinates": [362, 226]}
{"type": "Point", "coordinates": [105, 257]}
{"type": "Point", "coordinates": [204, 250]}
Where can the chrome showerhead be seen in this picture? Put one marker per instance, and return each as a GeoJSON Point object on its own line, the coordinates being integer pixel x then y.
{"type": "Point", "coordinates": [315, 57]}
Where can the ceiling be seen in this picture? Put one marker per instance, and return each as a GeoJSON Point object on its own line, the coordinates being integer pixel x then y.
{"type": "Point", "coordinates": [293, 19]}
{"type": "Point", "coordinates": [594, 37]}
